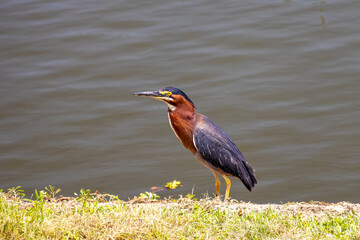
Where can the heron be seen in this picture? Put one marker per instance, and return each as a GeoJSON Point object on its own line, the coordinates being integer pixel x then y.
{"type": "Point", "coordinates": [211, 146]}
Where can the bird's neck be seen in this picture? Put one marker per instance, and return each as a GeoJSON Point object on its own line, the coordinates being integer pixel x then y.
{"type": "Point", "coordinates": [182, 120]}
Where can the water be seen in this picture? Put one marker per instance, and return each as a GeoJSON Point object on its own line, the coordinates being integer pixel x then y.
{"type": "Point", "coordinates": [280, 77]}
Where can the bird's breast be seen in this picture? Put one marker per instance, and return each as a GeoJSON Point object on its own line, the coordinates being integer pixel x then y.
{"type": "Point", "coordinates": [183, 126]}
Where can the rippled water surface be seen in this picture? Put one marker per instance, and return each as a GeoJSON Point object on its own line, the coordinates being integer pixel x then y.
{"type": "Point", "coordinates": [282, 78]}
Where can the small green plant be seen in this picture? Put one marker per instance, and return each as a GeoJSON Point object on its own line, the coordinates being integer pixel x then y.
{"type": "Point", "coordinates": [191, 196]}
{"type": "Point", "coordinates": [173, 185]}
{"type": "Point", "coordinates": [149, 196]}
{"type": "Point", "coordinates": [40, 195]}
{"type": "Point", "coordinates": [109, 197]}
{"type": "Point", "coordinates": [84, 195]}
{"type": "Point", "coordinates": [15, 192]}
{"type": "Point", "coordinates": [51, 191]}
{"type": "Point", "coordinates": [87, 195]}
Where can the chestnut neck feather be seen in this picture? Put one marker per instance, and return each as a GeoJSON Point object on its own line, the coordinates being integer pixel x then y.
{"type": "Point", "coordinates": [182, 120]}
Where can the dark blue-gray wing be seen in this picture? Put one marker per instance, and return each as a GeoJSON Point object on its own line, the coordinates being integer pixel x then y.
{"type": "Point", "coordinates": [216, 147]}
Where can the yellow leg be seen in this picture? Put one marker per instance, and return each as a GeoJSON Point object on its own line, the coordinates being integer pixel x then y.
{"type": "Point", "coordinates": [228, 186]}
{"type": "Point", "coordinates": [217, 182]}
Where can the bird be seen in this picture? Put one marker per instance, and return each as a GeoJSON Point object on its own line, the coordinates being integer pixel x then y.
{"type": "Point", "coordinates": [211, 146]}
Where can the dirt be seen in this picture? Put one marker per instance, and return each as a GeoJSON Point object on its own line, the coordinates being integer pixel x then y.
{"type": "Point", "coordinates": [303, 208]}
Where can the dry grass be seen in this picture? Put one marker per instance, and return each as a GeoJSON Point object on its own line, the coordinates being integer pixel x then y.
{"type": "Point", "coordinates": [96, 216]}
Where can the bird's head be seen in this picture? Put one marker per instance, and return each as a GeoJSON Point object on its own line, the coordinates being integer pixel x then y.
{"type": "Point", "coordinates": [172, 96]}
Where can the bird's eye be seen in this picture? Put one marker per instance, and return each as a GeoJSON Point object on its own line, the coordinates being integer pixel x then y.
{"type": "Point", "coordinates": [169, 93]}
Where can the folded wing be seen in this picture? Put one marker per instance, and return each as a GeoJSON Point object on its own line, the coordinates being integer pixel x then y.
{"type": "Point", "coordinates": [218, 150]}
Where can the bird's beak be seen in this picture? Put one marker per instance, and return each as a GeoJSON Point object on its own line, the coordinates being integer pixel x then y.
{"type": "Point", "coordinates": [154, 94]}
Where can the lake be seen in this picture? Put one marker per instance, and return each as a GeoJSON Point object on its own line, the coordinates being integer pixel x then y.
{"type": "Point", "coordinates": [282, 78]}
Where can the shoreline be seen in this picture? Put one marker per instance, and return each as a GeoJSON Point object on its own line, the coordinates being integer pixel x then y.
{"type": "Point", "coordinates": [312, 208]}
{"type": "Point", "coordinates": [103, 216]}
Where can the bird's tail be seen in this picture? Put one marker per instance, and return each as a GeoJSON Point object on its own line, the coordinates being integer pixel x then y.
{"type": "Point", "coordinates": [247, 175]}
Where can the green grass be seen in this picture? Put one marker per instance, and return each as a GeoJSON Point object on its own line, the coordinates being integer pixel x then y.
{"type": "Point", "coordinates": [102, 216]}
